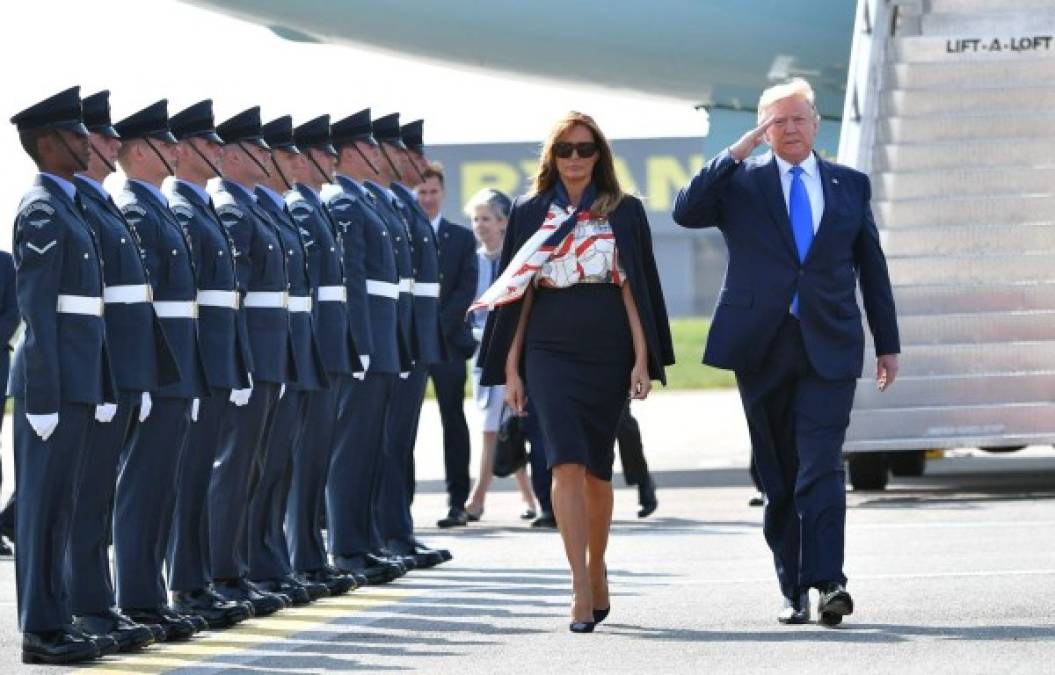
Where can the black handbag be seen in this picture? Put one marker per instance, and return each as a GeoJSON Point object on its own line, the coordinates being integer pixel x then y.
{"type": "Point", "coordinates": [510, 450]}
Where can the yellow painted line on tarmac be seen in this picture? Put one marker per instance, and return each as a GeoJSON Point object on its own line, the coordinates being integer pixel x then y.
{"type": "Point", "coordinates": [206, 646]}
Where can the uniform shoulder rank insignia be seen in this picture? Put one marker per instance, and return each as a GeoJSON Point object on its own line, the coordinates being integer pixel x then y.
{"type": "Point", "coordinates": [300, 209]}
{"type": "Point", "coordinates": [182, 210]}
{"type": "Point", "coordinates": [227, 208]}
{"type": "Point", "coordinates": [128, 203]}
{"type": "Point", "coordinates": [37, 213]}
{"type": "Point", "coordinates": [41, 250]}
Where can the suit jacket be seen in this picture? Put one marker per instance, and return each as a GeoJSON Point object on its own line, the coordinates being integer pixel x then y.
{"type": "Point", "coordinates": [458, 277]}
{"type": "Point", "coordinates": [746, 202]}
{"type": "Point", "coordinates": [133, 331]}
{"type": "Point", "coordinates": [224, 342]}
{"type": "Point", "coordinates": [64, 356]}
{"type": "Point", "coordinates": [633, 240]}
{"type": "Point", "coordinates": [9, 318]}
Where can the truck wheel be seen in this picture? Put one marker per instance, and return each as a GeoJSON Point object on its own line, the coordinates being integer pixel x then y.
{"type": "Point", "coordinates": [868, 470]}
{"type": "Point", "coordinates": [910, 463]}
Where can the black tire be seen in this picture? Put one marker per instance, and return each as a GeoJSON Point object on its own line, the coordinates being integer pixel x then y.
{"type": "Point", "coordinates": [868, 470]}
{"type": "Point", "coordinates": [909, 463]}
{"type": "Point", "coordinates": [1000, 449]}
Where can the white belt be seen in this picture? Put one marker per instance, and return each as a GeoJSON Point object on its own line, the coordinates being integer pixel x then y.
{"type": "Point", "coordinates": [299, 303]}
{"type": "Point", "coordinates": [80, 304]}
{"type": "Point", "coordinates": [128, 294]}
{"type": "Point", "coordinates": [406, 285]}
{"type": "Point", "coordinates": [228, 299]}
{"type": "Point", "coordinates": [426, 290]}
{"type": "Point", "coordinates": [333, 294]}
{"type": "Point", "coordinates": [176, 309]}
{"type": "Point", "coordinates": [384, 288]}
{"type": "Point", "coordinates": [273, 299]}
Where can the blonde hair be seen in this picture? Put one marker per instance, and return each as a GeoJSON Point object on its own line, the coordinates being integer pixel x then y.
{"type": "Point", "coordinates": [797, 87]}
{"type": "Point", "coordinates": [609, 194]}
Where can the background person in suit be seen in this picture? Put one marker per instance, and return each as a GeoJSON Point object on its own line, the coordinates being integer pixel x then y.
{"type": "Point", "coordinates": [8, 325]}
{"type": "Point", "coordinates": [800, 235]}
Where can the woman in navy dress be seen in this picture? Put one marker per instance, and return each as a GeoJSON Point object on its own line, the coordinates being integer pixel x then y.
{"type": "Point", "coordinates": [579, 326]}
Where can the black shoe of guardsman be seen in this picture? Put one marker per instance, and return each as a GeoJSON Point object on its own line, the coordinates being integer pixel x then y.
{"type": "Point", "coordinates": [315, 589]}
{"type": "Point", "coordinates": [335, 582]}
{"type": "Point", "coordinates": [456, 517]}
{"type": "Point", "coordinates": [216, 610]}
{"type": "Point", "coordinates": [423, 556]}
{"type": "Point", "coordinates": [834, 604]}
{"type": "Point", "coordinates": [287, 587]}
{"type": "Point", "coordinates": [375, 570]}
{"type": "Point", "coordinates": [444, 553]}
{"type": "Point", "coordinates": [177, 627]}
{"type": "Point", "coordinates": [128, 634]}
{"type": "Point", "coordinates": [242, 590]}
{"type": "Point", "coordinates": [58, 646]}
{"type": "Point", "coordinates": [104, 643]}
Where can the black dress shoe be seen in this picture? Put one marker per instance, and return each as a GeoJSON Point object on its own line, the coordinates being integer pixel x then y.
{"type": "Point", "coordinates": [335, 582]}
{"type": "Point", "coordinates": [757, 500]}
{"type": "Point", "coordinates": [795, 611]}
{"type": "Point", "coordinates": [600, 615]}
{"type": "Point", "coordinates": [646, 497]}
{"type": "Point", "coordinates": [57, 646]}
{"type": "Point", "coordinates": [176, 627]}
{"type": "Point", "coordinates": [528, 514]}
{"type": "Point", "coordinates": [159, 632]}
{"type": "Point", "coordinates": [242, 590]}
{"type": "Point", "coordinates": [582, 626]}
{"type": "Point", "coordinates": [456, 517]}
{"type": "Point", "coordinates": [374, 570]}
{"type": "Point", "coordinates": [422, 556]}
{"type": "Point", "coordinates": [216, 610]}
{"type": "Point", "coordinates": [546, 521]}
{"type": "Point", "coordinates": [283, 586]}
{"type": "Point", "coordinates": [315, 590]}
{"type": "Point", "coordinates": [196, 620]}
{"type": "Point", "coordinates": [835, 603]}
{"type": "Point", "coordinates": [128, 634]}
{"type": "Point", "coordinates": [442, 552]}
{"type": "Point", "coordinates": [105, 644]}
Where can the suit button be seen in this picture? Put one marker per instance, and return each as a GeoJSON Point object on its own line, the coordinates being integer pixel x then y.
{"type": "Point", "coordinates": [270, 247]}
{"type": "Point", "coordinates": [398, 239]}
{"type": "Point", "coordinates": [291, 251]}
{"type": "Point", "coordinates": [219, 253]}
{"type": "Point", "coordinates": [332, 249]}
{"type": "Point", "coordinates": [122, 240]}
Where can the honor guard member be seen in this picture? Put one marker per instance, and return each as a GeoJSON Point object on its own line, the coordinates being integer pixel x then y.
{"type": "Point", "coordinates": [373, 289]}
{"type": "Point", "coordinates": [225, 353]}
{"type": "Point", "coordinates": [246, 430]}
{"type": "Point", "coordinates": [269, 564]}
{"type": "Point", "coordinates": [60, 375]}
{"type": "Point", "coordinates": [397, 524]}
{"type": "Point", "coordinates": [311, 459]}
{"type": "Point", "coordinates": [146, 486]}
{"type": "Point", "coordinates": [145, 364]}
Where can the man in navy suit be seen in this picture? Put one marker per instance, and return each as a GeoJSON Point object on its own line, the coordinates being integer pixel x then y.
{"type": "Point", "coordinates": [9, 320]}
{"type": "Point", "coordinates": [800, 235]}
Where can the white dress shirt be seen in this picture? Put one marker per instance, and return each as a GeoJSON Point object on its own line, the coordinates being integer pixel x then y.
{"type": "Point", "coordinates": [811, 178]}
{"type": "Point", "coordinates": [436, 223]}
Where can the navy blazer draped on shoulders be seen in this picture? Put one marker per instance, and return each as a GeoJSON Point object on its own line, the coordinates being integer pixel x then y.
{"type": "Point", "coordinates": [633, 239]}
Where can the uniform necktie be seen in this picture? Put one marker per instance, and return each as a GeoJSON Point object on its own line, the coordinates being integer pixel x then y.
{"type": "Point", "coordinates": [801, 216]}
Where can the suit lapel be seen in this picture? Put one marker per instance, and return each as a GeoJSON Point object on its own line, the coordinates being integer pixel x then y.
{"type": "Point", "coordinates": [767, 178]}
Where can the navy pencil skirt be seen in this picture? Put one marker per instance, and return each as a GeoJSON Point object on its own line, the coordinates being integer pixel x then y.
{"type": "Point", "coordinates": [578, 354]}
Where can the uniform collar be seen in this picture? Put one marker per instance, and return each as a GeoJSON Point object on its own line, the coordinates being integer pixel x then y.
{"type": "Point", "coordinates": [154, 190]}
{"type": "Point", "coordinates": [195, 188]}
{"type": "Point", "coordinates": [809, 165]}
{"type": "Point", "coordinates": [96, 185]}
{"type": "Point", "coordinates": [69, 188]}
{"type": "Point", "coordinates": [279, 201]}
{"type": "Point", "coordinates": [245, 193]}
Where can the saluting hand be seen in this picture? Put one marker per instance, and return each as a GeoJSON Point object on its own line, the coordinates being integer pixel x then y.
{"type": "Point", "coordinates": [743, 148]}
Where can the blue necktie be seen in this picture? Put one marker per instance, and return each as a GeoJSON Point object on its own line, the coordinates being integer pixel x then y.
{"type": "Point", "coordinates": [801, 222]}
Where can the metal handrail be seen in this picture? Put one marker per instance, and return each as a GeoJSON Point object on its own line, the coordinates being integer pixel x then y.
{"type": "Point", "coordinates": [863, 82]}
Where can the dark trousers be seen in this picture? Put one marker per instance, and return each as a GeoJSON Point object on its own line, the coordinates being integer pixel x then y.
{"type": "Point", "coordinates": [268, 550]}
{"type": "Point", "coordinates": [311, 469]}
{"type": "Point", "coordinates": [798, 421]}
{"type": "Point", "coordinates": [145, 503]}
{"type": "Point", "coordinates": [448, 379]}
{"type": "Point", "coordinates": [88, 563]}
{"type": "Point", "coordinates": [393, 500]}
{"type": "Point", "coordinates": [541, 478]}
{"type": "Point", "coordinates": [244, 434]}
{"type": "Point", "coordinates": [351, 490]}
{"type": "Point", "coordinates": [188, 549]}
{"type": "Point", "coordinates": [631, 450]}
{"type": "Point", "coordinates": [48, 475]}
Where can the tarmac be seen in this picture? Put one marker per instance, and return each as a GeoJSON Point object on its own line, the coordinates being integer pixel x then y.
{"type": "Point", "coordinates": [952, 572]}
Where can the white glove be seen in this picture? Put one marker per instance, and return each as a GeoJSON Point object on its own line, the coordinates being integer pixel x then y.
{"type": "Point", "coordinates": [104, 412]}
{"type": "Point", "coordinates": [240, 397]}
{"type": "Point", "coordinates": [282, 390]}
{"type": "Point", "coordinates": [405, 375]}
{"type": "Point", "coordinates": [364, 360]}
{"type": "Point", "coordinates": [44, 425]}
{"type": "Point", "coordinates": [145, 404]}
{"type": "Point", "coordinates": [194, 405]}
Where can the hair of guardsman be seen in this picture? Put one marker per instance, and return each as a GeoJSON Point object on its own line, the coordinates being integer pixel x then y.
{"type": "Point", "coordinates": [609, 194]}
{"type": "Point", "coordinates": [797, 87]}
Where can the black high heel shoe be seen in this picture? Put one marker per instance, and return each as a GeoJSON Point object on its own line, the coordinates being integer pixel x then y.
{"type": "Point", "coordinates": [582, 626]}
{"type": "Point", "coordinates": [600, 615]}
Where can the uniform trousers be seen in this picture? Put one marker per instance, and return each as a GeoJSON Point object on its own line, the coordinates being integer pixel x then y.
{"type": "Point", "coordinates": [268, 550]}
{"type": "Point", "coordinates": [188, 550]}
{"type": "Point", "coordinates": [395, 495]}
{"type": "Point", "coordinates": [311, 469]}
{"type": "Point", "coordinates": [351, 490]}
{"type": "Point", "coordinates": [797, 420]}
{"type": "Point", "coordinates": [240, 456]}
{"type": "Point", "coordinates": [145, 502]}
{"type": "Point", "coordinates": [48, 476]}
{"type": "Point", "coordinates": [88, 563]}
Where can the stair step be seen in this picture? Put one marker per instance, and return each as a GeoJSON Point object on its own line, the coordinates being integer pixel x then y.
{"type": "Point", "coordinates": [965, 270]}
{"type": "Point", "coordinates": [971, 359]}
{"type": "Point", "coordinates": [1021, 153]}
{"type": "Point", "coordinates": [976, 328]}
{"type": "Point", "coordinates": [909, 102]}
{"type": "Point", "coordinates": [976, 6]}
{"type": "Point", "coordinates": [910, 392]}
{"type": "Point", "coordinates": [981, 210]}
{"type": "Point", "coordinates": [978, 47]}
{"type": "Point", "coordinates": [947, 75]}
{"type": "Point", "coordinates": [969, 240]}
{"type": "Point", "coordinates": [1005, 125]}
{"type": "Point", "coordinates": [992, 21]}
{"type": "Point", "coordinates": [925, 299]}
{"type": "Point", "coordinates": [963, 181]}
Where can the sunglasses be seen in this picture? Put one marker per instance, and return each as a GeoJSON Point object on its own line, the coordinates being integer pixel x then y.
{"type": "Point", "coordinates": [564, 150]}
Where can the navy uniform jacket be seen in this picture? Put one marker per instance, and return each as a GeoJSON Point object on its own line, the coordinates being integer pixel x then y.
{"type": "Point", "coordinates": [745, 201]}
{"type": "Point", "coordinates": [261, 266]}
{"type": "Point", "coordinates": [368, 257]}
{"type": "Point", "coordinates": [222, 336]}
{"type": "Point", "coordinates": [325, 269]}
{"type": "Point", "coordinates": [633, 240]}
{"type": "Point", "coordinates": [168, 260]}
{"type": "Point", "coordinates": [133, 332]}
{"type": "Point", "coordinates": [399, 237]}
{"type": "Point", "coordinates": [456, 248]}
{"type": "Point", "coordinates": [9, 318]}
{"type": "Point", "coordinates": [426, 269]}
{"type": "Point", "coordinates": [311, 373]}
{"type": "Point", "coordinates": [64, 356]}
